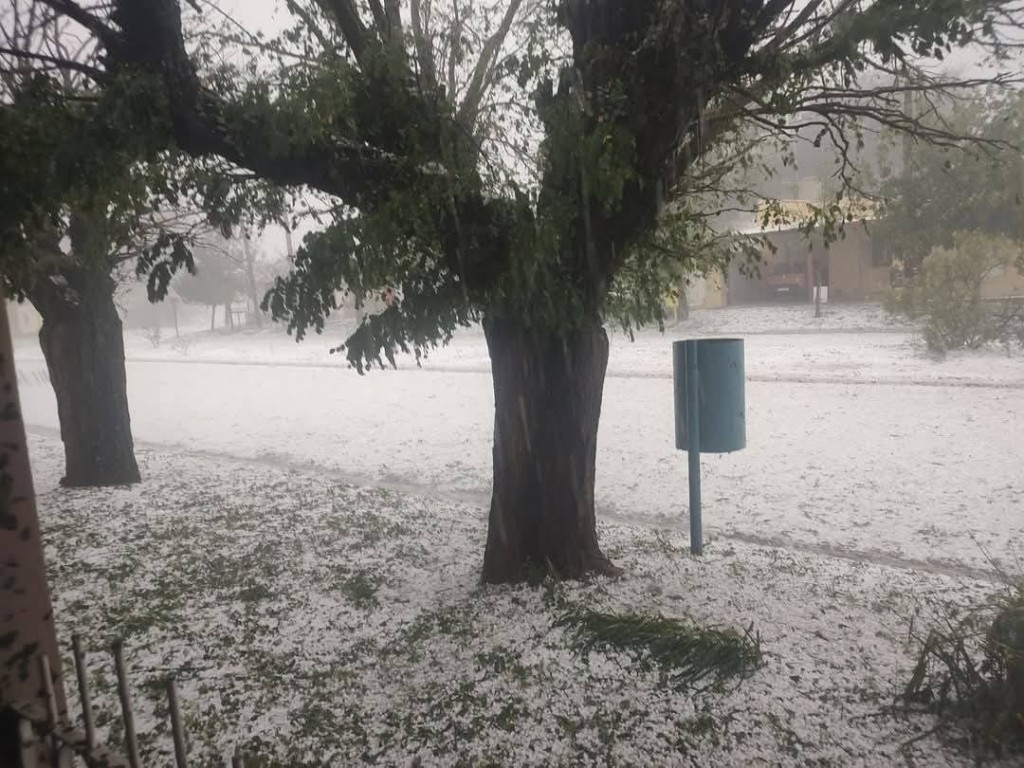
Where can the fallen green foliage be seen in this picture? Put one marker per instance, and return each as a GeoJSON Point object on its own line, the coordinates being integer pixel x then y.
{"type": "Point", "coordinates": [688, 655]}
{"type": "Point", "coordinates": [970, 673]}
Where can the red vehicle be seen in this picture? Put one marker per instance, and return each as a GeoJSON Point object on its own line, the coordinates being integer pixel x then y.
{"type": "Point", "coordinates": [788, 279]}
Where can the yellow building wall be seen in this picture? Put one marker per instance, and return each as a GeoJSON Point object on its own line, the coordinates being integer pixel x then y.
{"type": "Point", "coordinates": [853, 276]}
{"type": "Point", "coordinates": [1003, 283]}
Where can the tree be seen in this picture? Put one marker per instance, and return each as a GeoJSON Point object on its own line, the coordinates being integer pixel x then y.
{"type": "Point", "coordinates": [527, 188]}
{"type": "Point", "coordinates": [217, 281]}
{"type": "Point", "coordinates": [87, 204]}
{"type": "Point", "coordinates": [946, 190]}
{"type": "Point", "coordinates": [77, 213]}
{"type": "Point", "coordinates": [68, 259]}
{"type": "Point", "coordinates": [250, 275]}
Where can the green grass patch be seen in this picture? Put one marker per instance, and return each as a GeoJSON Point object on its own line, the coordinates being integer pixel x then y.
{"type": "Point", "coordinates": [361, 589]}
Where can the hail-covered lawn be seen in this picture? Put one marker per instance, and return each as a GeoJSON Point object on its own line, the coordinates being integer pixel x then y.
{"type": "Point", "coordinates": [315, 623]}
{"type": "Point", "coordinates": [856, 442]}
{"type": "Point", "coordinates": [303, 551]}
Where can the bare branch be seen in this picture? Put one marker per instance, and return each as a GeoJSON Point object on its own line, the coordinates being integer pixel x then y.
{"type": "Point", "coordinates": [454, 41]}
{"type": "Point", "coordinates": [107, 36]}
{"type": "Point", "coordinates": [481, 73]}
{"type": "Point", "coordinates": [424, 46]}
{"type": "Point", "coordinates": [350, 25]}
{"type": "Point", "coordinates": [58, 63]}
{"type": "Point", "coordinates": [380, 19]}
{"type": "Point", "coordinates": [393, 12]}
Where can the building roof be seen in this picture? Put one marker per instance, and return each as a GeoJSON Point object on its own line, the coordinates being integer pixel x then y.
{"type": "Point", "coordinates": [791, 214]}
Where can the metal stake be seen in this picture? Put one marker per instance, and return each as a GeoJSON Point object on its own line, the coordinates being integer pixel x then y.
{"type": "Point", "coordinates": [693, 446]}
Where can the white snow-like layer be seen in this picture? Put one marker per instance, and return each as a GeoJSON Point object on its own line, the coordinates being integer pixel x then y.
{"type": "Point", "coordinates": [890, 470]}
{"type": "Point", "coordinates": [250, 583]}
{"type": "Point", "coordinates": [784, 342]}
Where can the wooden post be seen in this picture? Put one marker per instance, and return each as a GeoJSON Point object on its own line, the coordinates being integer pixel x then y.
{"type": "Point", "coordinates": [83, 692]}
{"type": "Point", "coordinates": [26, 614]}
{"type": "Point", "coordinates": [131, 744]}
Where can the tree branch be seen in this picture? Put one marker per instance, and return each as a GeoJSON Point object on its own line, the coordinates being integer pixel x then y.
{"type": "Point", "coordinates": [349, 24]}
{"type": "Point", "coordinates": [95, 74]}
{"type": "Point", "coordinates": [108, 37]}
{"type": "Point", "coordinates": [393, 12]}
{"type": "Point", "coordinates": [481, 73]}
{"type": "Point", "coordinates": [424, 46]}
{"type": "Point", "coordinates": [380, 19]}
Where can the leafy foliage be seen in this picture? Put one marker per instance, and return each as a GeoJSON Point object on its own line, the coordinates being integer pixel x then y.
{"type": "Point", "coordinates": [66, 160]}
{"type": "Point", "coordinates": [517, 159]}
{"type": "Point", "coordinates": [946, 190]}
{"type": "Point", "coordinates": [75, 157]}
{"type": "Point", "coordinates": [217, 278]}
{"type": "Point", "coordinates": [947, 293]}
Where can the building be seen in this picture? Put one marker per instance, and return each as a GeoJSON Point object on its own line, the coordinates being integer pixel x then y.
{"type": "Point", "coordinates": [854, 267]}
{"type": "Point", "coordinates": [1003, 283]}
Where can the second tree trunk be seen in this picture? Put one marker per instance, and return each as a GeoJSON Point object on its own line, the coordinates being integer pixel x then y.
{"type": "Point", "coordinates": [83, 345]}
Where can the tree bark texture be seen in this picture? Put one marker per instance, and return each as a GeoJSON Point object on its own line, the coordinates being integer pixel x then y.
{"type": "Point", "coordinates": [547, 403]}
{"type": "Point", "coordinates": [83, 345]}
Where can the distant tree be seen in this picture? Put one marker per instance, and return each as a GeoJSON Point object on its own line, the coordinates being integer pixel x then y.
{"type": "Point", "coordinates": [513, 164]}
{"type": "Point", "coordinates": [87, 202]}
{"type": "Point", "coordinates": [217, 281]}
{"type": "Point", "coordinates": [946, 190]}
{"type": "Point", "coordinates": [76, 216]}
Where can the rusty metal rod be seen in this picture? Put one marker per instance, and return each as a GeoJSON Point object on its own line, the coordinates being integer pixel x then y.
{"type": "Point", "coordinates": [83, 692]}
{"type": "Point", "coordinates": [130, 741]}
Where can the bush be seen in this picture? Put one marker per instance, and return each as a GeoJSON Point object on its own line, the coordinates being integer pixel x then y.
{"type": "Point", "coordinates": [946, 292]}
{"type": "Point", "coordinates": [900, 301]}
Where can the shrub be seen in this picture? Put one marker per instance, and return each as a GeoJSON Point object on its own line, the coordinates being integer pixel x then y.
{"type": "Point", "coordinates": [900, 301]}
{"type": "Point", "coordinates": [947, 293]}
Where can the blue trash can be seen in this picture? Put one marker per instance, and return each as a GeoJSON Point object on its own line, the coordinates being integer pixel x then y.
{"type": "Point", "coordinates": [721, 392]}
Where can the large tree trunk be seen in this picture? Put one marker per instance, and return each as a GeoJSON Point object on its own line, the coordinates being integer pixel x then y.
{"type": "Point", "coordinates": [83, 345]}
{"type": "Point", "coordinates": [547, 403]}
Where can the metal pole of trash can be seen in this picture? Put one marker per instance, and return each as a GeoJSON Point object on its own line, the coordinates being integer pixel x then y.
{"type": "Point", "coordinates": [693, 446]}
